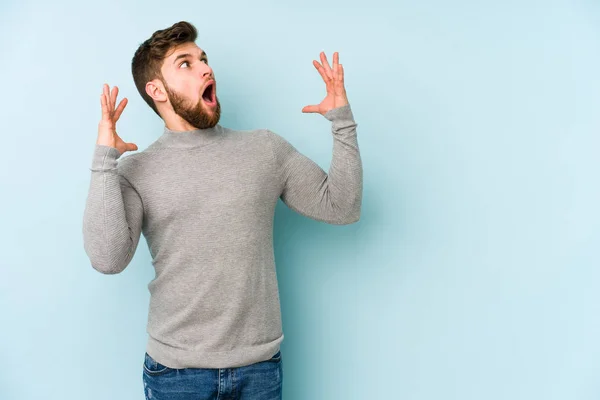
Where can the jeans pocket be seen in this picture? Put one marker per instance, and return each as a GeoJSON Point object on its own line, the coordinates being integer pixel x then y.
{"type": "Point", "coordinates": [153, 367]}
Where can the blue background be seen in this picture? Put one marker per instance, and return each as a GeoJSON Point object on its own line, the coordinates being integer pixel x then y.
{"type": "Point", "coordinates": [473, 272]}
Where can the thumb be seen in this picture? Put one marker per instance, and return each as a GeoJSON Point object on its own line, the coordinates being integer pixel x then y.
{"type": "Point", "coordinates": [131, 147]}
{"type": "Point", "coordinates": [310, 109]}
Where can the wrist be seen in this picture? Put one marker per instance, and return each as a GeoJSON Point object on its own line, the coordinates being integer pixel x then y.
{"type": "Point", "coordinates": [104, 158]}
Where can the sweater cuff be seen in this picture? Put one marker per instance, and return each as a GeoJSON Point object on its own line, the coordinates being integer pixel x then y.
{"type": "Point", "coordinates": [341, 117]}
{"type": "Point", "coordinates": [339, 113]}
{"type": "Point", "coordinates": [104, 158]}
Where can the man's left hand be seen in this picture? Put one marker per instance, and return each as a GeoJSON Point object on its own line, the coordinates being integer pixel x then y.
{"type": "Point", "coordinates": [334, 83]}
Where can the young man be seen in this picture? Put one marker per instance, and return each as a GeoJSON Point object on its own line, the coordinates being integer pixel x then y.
{"type": "Point", "coordinates": [204, 197]}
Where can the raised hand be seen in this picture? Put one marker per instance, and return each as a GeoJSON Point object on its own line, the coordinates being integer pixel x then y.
{"type": "Point", "coordinates": [334, 83]}
{"type": "Point", "coordinates": [107, 133]}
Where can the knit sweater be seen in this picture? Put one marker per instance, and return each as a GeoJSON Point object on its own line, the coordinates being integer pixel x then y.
{"type": "Point", "coordinates": [205, 201]}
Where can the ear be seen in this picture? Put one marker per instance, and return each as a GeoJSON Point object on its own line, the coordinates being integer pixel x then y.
{"type": "Point", "coordinates": [156, 90]}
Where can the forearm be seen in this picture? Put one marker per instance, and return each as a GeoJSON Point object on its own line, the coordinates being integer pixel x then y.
{"type": "Point", "coordinates": [345, 177]}
{"type": "Point", "coordinates": [334, 197]}
{"type": "Point", "coordinates": [110, 237]}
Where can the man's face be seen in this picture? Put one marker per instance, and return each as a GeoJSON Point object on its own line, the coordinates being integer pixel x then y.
{"type": "Point", "coordinates": [190, 86]}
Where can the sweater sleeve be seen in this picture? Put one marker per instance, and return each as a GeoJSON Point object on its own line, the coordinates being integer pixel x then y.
{"type": "Point", "coordinates": [112, 220]}
{"type": "Point", "coordinates": [333, 197]}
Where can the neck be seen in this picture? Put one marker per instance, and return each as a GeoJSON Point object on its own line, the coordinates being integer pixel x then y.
{"type": "Point", "coordinates": [175, 123]}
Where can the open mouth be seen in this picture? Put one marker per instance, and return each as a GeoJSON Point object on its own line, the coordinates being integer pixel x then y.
{"type": "Point", "coordinates": [209, 95]}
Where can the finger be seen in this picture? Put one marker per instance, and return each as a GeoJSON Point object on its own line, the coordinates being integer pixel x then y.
{"type": "Point", "coordinates": [130, 147]}
{"type": "Point", "coordinates": [322, 73]}
{"type": "Point", "coordinates": [339, 81]}
{"type": "Point", "coordinates": [105, 114]}
{"type": "Point", "coordinates": [310, 109]}
{"type": "Point", "coordinates": [113, 97]}
{"type": "Point", "coordinates": [326, 65]}
{"type": "Point", "coordinates": [107, 99]}
{"type": "Point", "coordinates": [120, 109]}
{"type": "Point", "coordinates": [335, 73]}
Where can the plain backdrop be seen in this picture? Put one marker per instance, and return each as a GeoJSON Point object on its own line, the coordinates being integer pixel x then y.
{"type": "Point", "coordinates": [473, 272]}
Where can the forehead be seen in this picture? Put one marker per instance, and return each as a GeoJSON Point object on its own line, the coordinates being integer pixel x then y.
{"type": "Point", "coordinates": [185, 48]}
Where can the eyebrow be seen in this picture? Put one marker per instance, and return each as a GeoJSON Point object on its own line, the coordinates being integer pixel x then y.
{"type": "Point", "coordinates": [184, 55]}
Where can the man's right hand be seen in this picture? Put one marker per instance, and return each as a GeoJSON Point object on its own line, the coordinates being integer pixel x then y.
{"type": "Point", "coordinates": [107, 133]}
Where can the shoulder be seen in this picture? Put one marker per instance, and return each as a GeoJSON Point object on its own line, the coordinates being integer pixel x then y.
{"type": "Point", "coordinates": [270, 138]}
{"type": "Point", "coordinates": [264, 142]}
{"type": "Point", "coordinates": [132, 164]}
{"type": "Point", "coordinates": [263, 138]}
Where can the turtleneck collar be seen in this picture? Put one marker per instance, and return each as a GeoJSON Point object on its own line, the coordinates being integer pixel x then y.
{"type": "Point", "coordinates": [193, 138]}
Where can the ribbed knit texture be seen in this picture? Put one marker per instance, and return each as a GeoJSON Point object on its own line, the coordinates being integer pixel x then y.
{"type": "Point", "coordinates": [205, 202]}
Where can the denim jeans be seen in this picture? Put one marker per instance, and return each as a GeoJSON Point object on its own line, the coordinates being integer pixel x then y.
{"type": "Point", "coordinates": [259, 381]}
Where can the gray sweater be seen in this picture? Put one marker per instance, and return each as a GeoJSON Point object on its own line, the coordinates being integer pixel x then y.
{"type": "Point", "coordinates": [205, 202]}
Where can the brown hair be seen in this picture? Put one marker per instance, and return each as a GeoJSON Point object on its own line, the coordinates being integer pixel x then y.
{"type": "Point", "coordinates": [148, 58]}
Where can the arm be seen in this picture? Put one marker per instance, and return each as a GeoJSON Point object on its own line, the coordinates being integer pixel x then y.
{"type": "Point", "coordinates": [333, 197]}
{"type": "Point", "coordinates": [113, 215]}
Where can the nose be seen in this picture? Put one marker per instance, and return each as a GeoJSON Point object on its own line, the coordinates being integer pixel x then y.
{"type": "Point", "coordinates": [207, 72]}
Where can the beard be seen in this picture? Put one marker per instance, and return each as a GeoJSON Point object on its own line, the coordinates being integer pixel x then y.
{"type": "Point", "coordinates": [194, 114]}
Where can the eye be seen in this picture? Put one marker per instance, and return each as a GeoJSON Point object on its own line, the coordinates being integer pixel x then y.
{"type": "Point", "coordinates": [205, 60]}
{"type": "Point", "coordinates": [185, 62]}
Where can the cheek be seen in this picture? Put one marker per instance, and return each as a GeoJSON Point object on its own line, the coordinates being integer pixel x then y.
{"type": "Point", "coordinates": [190, 91]}
{"type": "Point", "coordinates": [185, 84]}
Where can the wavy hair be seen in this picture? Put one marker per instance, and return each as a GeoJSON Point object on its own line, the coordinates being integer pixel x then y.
{"type": "Point", "coordinates": [149, 57]}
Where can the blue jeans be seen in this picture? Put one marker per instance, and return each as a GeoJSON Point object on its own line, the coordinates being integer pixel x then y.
{"type": "Point", "coordinates": [259, 381]}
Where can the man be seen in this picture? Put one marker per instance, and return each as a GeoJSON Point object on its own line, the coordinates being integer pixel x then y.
{"type": "Point", "coordinates": [204, 197]}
